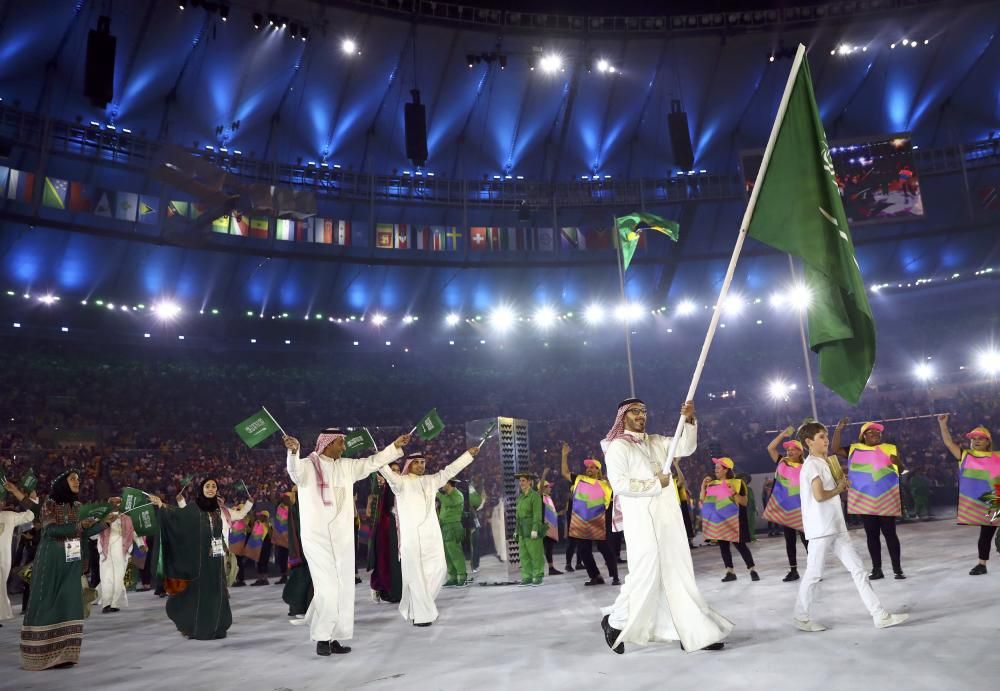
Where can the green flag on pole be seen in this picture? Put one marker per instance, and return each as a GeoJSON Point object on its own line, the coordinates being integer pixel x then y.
{"type": "Point", "coordinates": [140, 509]}
{"type": "Point", "coordinates": [97, 510]}
{"type": "Point", "coordinates": [242, 487]}
{"type": "Point", "coordinates": [256, 428]}
{"type": "Point", "coordinates": [29, 482]}
{"type": "Point", "coordinates": [799, 211]}
{"type": "Point", "coordinates": [358, 442]}
{"type": "Point", "coordinates": [430, 426]}
{"type": "Point", "coordinates": [631, 225]}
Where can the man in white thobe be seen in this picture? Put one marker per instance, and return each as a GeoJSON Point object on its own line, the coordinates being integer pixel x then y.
{"type": "Point", "coordinates": [326, 509]}
{"type": "Point", "coordinates": [421, 546]}
{"type": "Point", "coordinates": [113, 546]}
{"type": "Point", "coordinates": [660, 600]}
{"type": "Point", "coordinates": [9, 521]}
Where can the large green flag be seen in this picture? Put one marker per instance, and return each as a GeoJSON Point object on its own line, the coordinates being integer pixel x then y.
{"type": "Point", "coordinates": [358, 442]}
{"type": "Point", "coordinates": [799, 211]}
{"type": "Point", "coordinates": [430, 426]}
{"type": "Point", "coordinates": [631, 225]}
{"type": "Point", "coordinates": [97, 510]}
{"type": "Point", "coordinates": [140, 509]}
{"type": "Point", "coordinates": [256, 428]}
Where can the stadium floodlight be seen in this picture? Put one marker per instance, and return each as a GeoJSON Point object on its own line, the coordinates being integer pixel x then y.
{"type": "Point", "coordinates": [503, 318]}
{"type": "Point", "coordinates": [594, 314]}
{"type": "Point", "coordinates": [545, 317]}
{"type": "Point", "coordinates": [551, 63]}
{"type": "Point", "coordinates": [630, 312]}
{"type": "Point", "coordinates": [734, 304]}
{"type": "Point", "coordinates": [686, 308]}
{"type": "Point", "coordinates": [166, 310]}
{"type": "Point", "coordinates": [379, 319]}
{"type": "Point", "coordinates": [349, 47]}
{"type": "Point", "coordinates": [47, 299]}
{"type": "Point", "coordinates": [777, 389]}
{"type": "Point", "coordinates": [452, 319]}
{"type": "Point", "coordinates": [988, 362]}
{"type": "Point", "coordinates": [924, 371]}
{"type": "Point", "coordinates": [408, 319]}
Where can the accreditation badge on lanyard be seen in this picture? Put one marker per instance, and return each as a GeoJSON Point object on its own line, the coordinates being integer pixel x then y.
{"type": "Point", "coordinates": [217, 548]}
{"type": "Point", "coordinates": [72, 546]}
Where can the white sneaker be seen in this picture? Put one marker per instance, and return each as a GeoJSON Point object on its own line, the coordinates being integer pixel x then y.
{"type": "Point", "coordinates": [890, 620]}
{"type": "Point", "coordinates": [808, 626]}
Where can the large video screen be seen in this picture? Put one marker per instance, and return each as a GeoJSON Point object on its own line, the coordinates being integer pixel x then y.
{"type": "Point", "coordinates": [877, 178]}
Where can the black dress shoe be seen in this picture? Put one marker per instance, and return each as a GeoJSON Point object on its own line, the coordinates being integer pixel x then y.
{"type": "Point", "coordinates": [615, 581]}
{"type": "Point", "coordinates": [323, 648]}
{"type": "Point", "coordinates": [338, 649]}
{"type": "Point", "coordinates": [978, 570]}
{"type": "Point", "coordinates": [261, 581]}
{"type": "Point", "coordinates": [875, 575]}
{"type": "Point", "coordinates": [239, 584]}
{"type": "Point", "coordinates": [282, 580]}
{"type": "Point", "coordinates": [715, 646]}
{"type": "Point", "coordinates": [426, 623]}
{"type": "Point", "coordinates": [553, 571]}
{"type": "Point", "coordinates": [899, 576]}
{"type": "Point", "coordinates": [106, 609]}
{"type": "Point", "coordinates": [754, 576]}
{"type": "Point", "coordinates": [729, 577]}
{"type": "Point", "coordinates": [792, 575]}
{"type": "Point", "coordinates": [611, 635]}
{"type": "Point", "coordinates": [569, 569]}
{"type": "Point", "coordinates": [596, 580]}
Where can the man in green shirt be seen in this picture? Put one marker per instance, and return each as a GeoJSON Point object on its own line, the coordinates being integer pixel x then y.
{"type": "Point", "coordinates": [530, 530]}
{"type": "Point", "coordinates": [451, 503]}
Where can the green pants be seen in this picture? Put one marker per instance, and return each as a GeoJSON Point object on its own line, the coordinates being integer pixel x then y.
{"type": "Point", "coordinates": [453, 534]}
{"type": "Point", "coordinates": [532, 558]}
{"type": "Point", "coordinates": [921, 505]}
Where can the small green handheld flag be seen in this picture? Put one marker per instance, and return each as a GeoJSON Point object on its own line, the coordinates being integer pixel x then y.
{"type": "Point", "coordinates": [358, 442]}
{"type": "Point", "coordinates": [430, 426]}
{"type": "Point", "coordinates": [29, 482]}
{"type": "Point", "coordinates": [137, 505]}
{"type": "Point", "coordinates": [257, 428]}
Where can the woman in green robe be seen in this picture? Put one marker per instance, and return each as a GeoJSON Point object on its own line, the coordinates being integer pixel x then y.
{"type": "Point", "coordinates": [52, 632]}
{"type": "Point", "coordinates": [298, 591]}
{"type": "Point", "coordinates": [194, 567]}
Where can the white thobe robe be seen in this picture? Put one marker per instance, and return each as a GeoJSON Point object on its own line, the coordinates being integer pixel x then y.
{"type": "Point", "coordinates": [9, 520]}
{"type": "Point", "coordinates": [328, 537]}
{"type": "Point", "coordinates": [659, 600]}
{"type": "Point", "coordinates": [421, 546]}
{"type": "Point", "coordinates": [111, 590]}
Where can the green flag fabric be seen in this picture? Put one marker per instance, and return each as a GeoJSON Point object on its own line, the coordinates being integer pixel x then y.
{"type": "Point", "coordinates": [96, 510]}
{"type": "Point", "coordinates": [357, 442]}
{"type": "Point", "coordinates": [29, 482]}
{"type": "Point", "coordinates": [242, 487]}
{"type": "Point", "coordinates": [799, 211]}
{"type": "Point", "coordinates": [256, 428]}
{"type": "Point", "coordinates": [430, 426]}
{"type": "Point", "coordinates": [141, 510]}
{"type": "Point", "coordinates": [631, 225]}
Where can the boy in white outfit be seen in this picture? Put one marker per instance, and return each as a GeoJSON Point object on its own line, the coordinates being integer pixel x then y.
{"type": "Point", "coordinates": [825, 529]}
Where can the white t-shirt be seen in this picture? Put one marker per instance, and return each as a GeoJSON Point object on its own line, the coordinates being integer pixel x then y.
{"type": "Point", "coordinates": [819, 518]}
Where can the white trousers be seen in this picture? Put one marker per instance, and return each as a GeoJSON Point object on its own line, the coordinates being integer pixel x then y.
{"type": "Point", "coordinates": [842, 547]}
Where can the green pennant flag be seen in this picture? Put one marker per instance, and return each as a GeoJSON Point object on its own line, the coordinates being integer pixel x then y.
{"type": "Point", "coordinates": [29, 482]}
{"type": "Point", "coordinates": [140, 509]}
{"type": "Point", "coordinates": [97, 510]}
{"type": "Point", "coordinates": [799, 211]}
{"type": "Point", "coordinates": [357, 442]}
{"type": "Point", "coordinates": [256, 428]}
{"type": "Point", "coordinates": [430, 426]}
{"type": "Point", "coordinates": [631, 225]}
{"type": "Point", "coordinates": [242, 487]}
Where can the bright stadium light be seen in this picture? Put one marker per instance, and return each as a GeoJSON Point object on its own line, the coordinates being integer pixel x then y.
{"type": "Point", "coordinates": [777, 389]}
{"type": "Point", "coordinates": [452, 319]}
{"type": "Point", "coordinates": [594, 314]}
{"type": "Point", "coordinates": [734, 304]}
{"type": "Point", "coordinates": [348, 46]}
{"type": "Point", "coordinates": [47, 299]}
{"type": "Point", "coordinates": [166, 310]}
{"type": "Point", "coordinates": [551, 63]}
{"type": "Point", "coordinates": [379, 319]}
{"type": "Point", "coordinates": [924, 371]}
{"type": "Point", "coordinates": [544, 317]}
{"type": "Point", "coordinates": [630, 312]}
{"type": "Point", "coordinates": [686, 308]}
{"type": "Point", "coordinates": [408, 319]}
{"type": "Point", "coordinates": [988, 362]}
{"type": "Point", "coordinates": [502, 318]}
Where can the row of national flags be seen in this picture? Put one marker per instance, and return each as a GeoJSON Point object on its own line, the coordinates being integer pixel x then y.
{"type": "Point", "coordinates": [401, 236]}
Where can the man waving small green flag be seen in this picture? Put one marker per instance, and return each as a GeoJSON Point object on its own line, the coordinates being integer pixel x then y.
{"type": "Point", "coordinates": [631, 226]}
{"type": "Point", "coordinates": [257, 428]}
{"type": "Point", "coordinates": [358, 442]}
{"type": "Point", "coordinates": [429, 426]}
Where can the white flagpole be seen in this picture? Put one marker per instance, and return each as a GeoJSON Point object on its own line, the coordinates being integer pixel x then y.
{"type": "Point", "coordinates": [747, 215]}
{"type": "Point", "coordinates": [805, 346]}
{"type": "Point", "coordinates": [275, 421]}
{"type": "Point", "coordinates": [621, 282]}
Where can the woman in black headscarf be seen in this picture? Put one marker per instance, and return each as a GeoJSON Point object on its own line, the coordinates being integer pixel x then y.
{"type": "Point", "coordinates": [194, 567]}
{"type": "Point", "coordinates": [53, 627]}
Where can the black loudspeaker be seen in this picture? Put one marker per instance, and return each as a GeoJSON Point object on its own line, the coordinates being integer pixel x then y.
{"type": "Point", "coordinates": [99, 72]}
{"type": "Point", "coordinates": [5, 148]}
{"type": "Point", "coordinates": [680, 136]}
{"type": "Point", "coordinates": [415, 119]}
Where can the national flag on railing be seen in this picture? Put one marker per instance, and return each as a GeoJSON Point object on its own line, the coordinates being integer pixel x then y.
{"type": "Point", "coordinates": [54, 193]}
